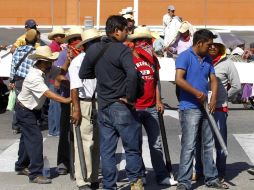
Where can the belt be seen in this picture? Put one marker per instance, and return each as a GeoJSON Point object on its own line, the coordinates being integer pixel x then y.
{"type": "Point", "coordinates": [20, 104]}
{"type": "Point", "coordinates": [87, 99]}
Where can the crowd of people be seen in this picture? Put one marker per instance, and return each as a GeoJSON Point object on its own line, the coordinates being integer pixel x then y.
{"type": "Point", "coordinates": [107, 87]}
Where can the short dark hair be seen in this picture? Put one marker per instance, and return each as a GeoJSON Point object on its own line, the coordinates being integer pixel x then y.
{"type": "Point", "coordinates": [115, 22]}
{"type": "Point", "coordinates": [203, 35]}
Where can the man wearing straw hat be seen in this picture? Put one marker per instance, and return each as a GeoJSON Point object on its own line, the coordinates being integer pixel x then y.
{"type": "Point", "coordinates": [56, 36]}
{"type": "Point", "coordinates": [150, 103]}
{"type": "Point", "coordinates": [29, 102]}
{"type": "Point", "coordinates": [116, 93]}
{"type": "Point", "coordinates": [54, 110]}
{"type": "Point", "coordinates": [73, 37]}
{"type": "Point", "coordinates": [84, 115]}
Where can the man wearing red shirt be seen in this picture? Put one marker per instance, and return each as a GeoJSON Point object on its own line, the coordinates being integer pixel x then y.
{"type": "Point", "coordinates": [150, 103]}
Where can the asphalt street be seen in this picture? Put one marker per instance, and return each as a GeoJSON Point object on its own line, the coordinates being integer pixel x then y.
{"type": "Point", "coordinates": [240, 144]}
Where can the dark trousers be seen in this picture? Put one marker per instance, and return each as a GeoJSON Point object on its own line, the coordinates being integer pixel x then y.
{"type": "Point", "coordinates": [30, 154]}
{"type": "Point", "coordinates": [63, 154]}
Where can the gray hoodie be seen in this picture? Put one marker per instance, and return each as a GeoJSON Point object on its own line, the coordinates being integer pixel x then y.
{"type": "Point", "coordinates": [226, 73]}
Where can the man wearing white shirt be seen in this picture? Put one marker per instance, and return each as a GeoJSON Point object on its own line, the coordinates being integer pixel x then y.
{"type": "Point", "coordinates": [29, 103]}
{"type": "Point", "coordinates": [171, 24]}
{"type": "Point", "coordinates": [84, 108]}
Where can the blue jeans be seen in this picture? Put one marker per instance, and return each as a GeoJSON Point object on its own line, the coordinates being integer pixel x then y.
{"type": "Point", "coordinates": [191, 121]}
{"type": "Point", "coordinates": [221, 120]}
{"type": "Point", "coordinates": [149, 118]}
{"type": "Point", "coordinates": [54, 114]}
{"type": "Point", "coordinates": [114, 121]}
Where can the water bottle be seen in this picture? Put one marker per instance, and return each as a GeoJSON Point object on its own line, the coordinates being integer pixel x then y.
{"type": "Point", "coordinates": [46, 167]}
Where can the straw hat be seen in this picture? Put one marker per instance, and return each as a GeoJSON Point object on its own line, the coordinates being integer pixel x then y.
{"type": "Point", "coordinates": [140, 32]}
{"type": "Point", "coordinates": [88, 35]}
{"type": "Point", "coordinates": [156, 35]}
{"type": "Point", "coordinates": [31, 35]}
{"type": "Point", "coordinates": [56, 30]}
{"type": "Point", "coordinates": [73, 32]}
{"type": "Point", "coordinates": [129, 10]}
{"type": "Point", "coordinates": [44, 52]}
{"type": "Point", "coordinates": [128, 16]}
{"type": "Point", "coordinates": [185, 26]}
{"type": "Point", "coordinates": [122, 12]}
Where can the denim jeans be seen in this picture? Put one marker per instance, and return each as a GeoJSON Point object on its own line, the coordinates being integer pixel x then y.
{"type": "Point", "coordinates": [54, 114]}
{"type": "Point", "coordinates": [30, 154]}
{"type": "Point", "coordinates": [221, 120]}
{"type": "Point", "coordinates": [149, 118]}
{"type": "Point", "coordinates": [114, 121]}
{"type": "Point", "coordinates": [191, 121]}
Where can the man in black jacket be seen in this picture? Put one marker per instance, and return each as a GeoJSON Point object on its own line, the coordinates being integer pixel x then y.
{"type": "Point", "coordinates": [117, 88]}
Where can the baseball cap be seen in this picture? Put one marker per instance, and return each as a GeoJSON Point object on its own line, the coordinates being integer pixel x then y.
{"type": "Point", "coordinates": [30, 23]}
{"type": "Point", "coordinates": [171, 7]}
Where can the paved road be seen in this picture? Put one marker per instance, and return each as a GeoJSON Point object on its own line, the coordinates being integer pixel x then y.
{"type": "Point", "coordinates": [240, 145]}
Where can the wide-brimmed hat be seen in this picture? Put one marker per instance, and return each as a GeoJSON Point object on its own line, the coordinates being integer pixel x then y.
{"type": "Point", "coordinates": [73, 32]}
{"type": "Point", "coordinates": [129, 10]}
{"type": "Point", "coordinates": [89, 35]}
{"type": "Point", "coordinates": [31, 35]}
{"type": "Point", "coordinates": [155, 35]}
{"type": "Point", "coordinates": [128, 16]}
{"type": "Point", "coordinates": [44, 52]}
{"type": "Point", "coordinates": [122, 12]}
{"type": "Point", "coordinates": [185, 26]}
{"type": "Point", "coordinates": [58, 30]}
{"type": "Point", "coordinates": [140, 32]}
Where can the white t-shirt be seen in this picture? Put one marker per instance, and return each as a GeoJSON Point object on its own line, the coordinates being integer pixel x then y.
{"type": "Point", "coordinates": [87, 86]}
{"type": "Point", "coordinates": [34, 86]}
{"type": "Point", "coordinates": [171, 29]}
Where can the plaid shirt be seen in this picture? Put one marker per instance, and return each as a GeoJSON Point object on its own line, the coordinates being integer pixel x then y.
{"type": "Point", "coordinates": [25, 65]}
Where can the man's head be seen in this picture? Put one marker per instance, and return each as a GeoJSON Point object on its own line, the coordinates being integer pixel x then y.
{"type": "Point", "coordinates": [57, 35]}
{"type": "Point", "coordinates": [184, 30]}
{"type": "Point", "coordinates": [30, 24]}
{"type": "Point", "coordinates": [202, 41]}
{"type": "Point", "coordinates": [43, 58]}
{"type": "Point", "coordinates": [31, 37]}
{"type": "Point", "coordinates": [116, 27]}
{"type": "Point", "coordinates": [171, 10]}
{"type": "Point", "coordinates": [217, 48]}
{"type": "Point", "coordinates": [141, 33]}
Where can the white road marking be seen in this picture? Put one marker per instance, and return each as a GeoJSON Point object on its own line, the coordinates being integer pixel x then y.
{"type": "Point", "coordinates": [246, 141]}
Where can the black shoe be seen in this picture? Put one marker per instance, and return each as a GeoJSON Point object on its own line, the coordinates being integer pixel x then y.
{"type": "Point", "coordinates": [181, 187]}
{"type": "Point", "coordinates": [85, 187]}
{"type": "Point", "coordinates": [40, 180]}
{"type": "Point", "coordinates": [24, 171]}
{"type": "Point", "coordinates": [62, 171]}
{"type": "Point", "coordinates": [95, 185]}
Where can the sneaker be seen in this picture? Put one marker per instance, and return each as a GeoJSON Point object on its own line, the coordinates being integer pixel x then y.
{"type": "Point", "coordinates": [40, 180]}
{"type": "Point", "coordinates": [168, 181]}
{"type": "Point", "coordinates": [138, 185]}
{"type": "Point", "coordinates": [24, 171]}
{"type": "Point", "coordinates": [217, 185]}
{"type": "Point", "coordinates": [181, 187]}
{"type": "Point", "coordinates": [16, 131]}
{"type": "Point", "coordinates": [251, 171]}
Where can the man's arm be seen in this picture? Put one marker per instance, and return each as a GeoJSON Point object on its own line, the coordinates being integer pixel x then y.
{"type": "Point", "coordinates": [56, 97]}
{"type": "Point", "coordinates": [214, 89]}
{"type": "Point", "coordinates": [184, 85]}
{"type": "Point", "coordinates": [76, 112]}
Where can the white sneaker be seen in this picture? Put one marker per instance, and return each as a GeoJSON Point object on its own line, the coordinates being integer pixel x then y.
{"type": "Point", "coordinates": [168, 181]}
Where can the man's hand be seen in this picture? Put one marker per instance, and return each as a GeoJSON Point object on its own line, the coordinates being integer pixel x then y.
{"type": "Point", "coordinates": [11, 86]}
{"type": "Point", "coordinates": [76, 118]}
{"type": "Point", "coordinates": [160, 107]}
{"type": "Point", "coordinates": [212, 105]}
{"type": "Point", "coordinates": [67, 100]}
{"type": "Point", "coordinates": [201, 97]}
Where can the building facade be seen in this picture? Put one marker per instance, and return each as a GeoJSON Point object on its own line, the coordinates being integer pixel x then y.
{"type": "Point", "coordinates": [150, 12]}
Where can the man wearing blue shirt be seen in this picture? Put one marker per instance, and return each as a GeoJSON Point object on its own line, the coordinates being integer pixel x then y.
{"type": "Point", "coordinates": [193, 69]}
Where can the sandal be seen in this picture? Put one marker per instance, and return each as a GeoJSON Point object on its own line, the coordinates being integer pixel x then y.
{"type": "Point", "coordinates": [218, 185]}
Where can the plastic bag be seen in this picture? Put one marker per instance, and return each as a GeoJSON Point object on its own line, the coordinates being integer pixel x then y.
{"type": "Point", "coordinates": [11, 100]}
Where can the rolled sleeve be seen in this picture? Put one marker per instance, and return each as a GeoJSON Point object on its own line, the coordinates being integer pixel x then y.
{"type": "Point", "coordinates": [75, 81]}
